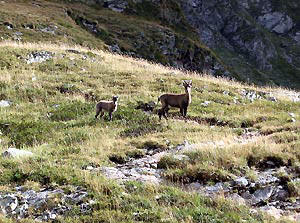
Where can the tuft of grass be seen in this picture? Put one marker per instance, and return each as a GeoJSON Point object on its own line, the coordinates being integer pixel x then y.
{"type": "Point", "coordinates": [138, 123]}
{"type": "Point", "coordinates": [71, 111]}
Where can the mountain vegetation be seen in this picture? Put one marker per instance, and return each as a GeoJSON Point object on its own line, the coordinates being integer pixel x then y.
{"type": "Point", "coordinates": [234, 158]}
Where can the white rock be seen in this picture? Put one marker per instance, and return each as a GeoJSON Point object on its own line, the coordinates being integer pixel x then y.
{"type": "Point", "coordinates": [181, 157]}
{"type": "Point", "coordinates": [292, 114]}
{"type": "Point", "coordinates": [241, 181]}
{"type": "Point", "coordinates": [4, 103]}
{"type": "Point", "coordinates": [16, 153]}
{"type": "Point", "coordinates": [205, 103]}
{"type": "Point", "coordinates": [89, 168]}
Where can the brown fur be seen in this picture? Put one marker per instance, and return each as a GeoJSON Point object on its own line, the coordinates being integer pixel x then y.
{"type": "Point", "coordinates": [181, 101]}
{"type": "Point", "coordinates": [108, 106]}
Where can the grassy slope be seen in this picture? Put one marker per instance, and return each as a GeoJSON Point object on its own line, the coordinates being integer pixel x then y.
{"type": "Point", "coordinates": [67, 138]}
{"type": "Point", "coordinates": [141, 34]}
{"type": "Point", "coordinates": [138, 31]}
{"type": "Point", "coordinates": [24, 14]}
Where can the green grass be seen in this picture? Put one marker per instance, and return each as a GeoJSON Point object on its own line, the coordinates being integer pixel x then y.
{"type": "Point", "coordinates": [53, 116]}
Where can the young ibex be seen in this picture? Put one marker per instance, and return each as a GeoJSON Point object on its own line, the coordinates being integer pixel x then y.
{"type": "Point", "coordinates": [181, 101]}
{"type": "Point", "coordinates": [109, 106]}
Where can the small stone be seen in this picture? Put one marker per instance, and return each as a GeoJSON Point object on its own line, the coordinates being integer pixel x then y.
{"type": "Point", "coordinates": [16, 153]}
{"type": "Point", "coordinates": [73, 51]}
{"type": "Point", "coordinates": [115, 49]}
{"type": "Point", "coordinates": [89, 168]}
{"type": "Point", "coordinates": [50, 29]}
{"type": "Point", "coordinates": [5, 103]}
{"type": "Point", "coordinates": [272, 98]}
{"type": "Point", "coordinates": [181, 157]}
{"type": "Point", "coordinates": [52, 216]}
{"type": "Point", "coordinates": [195, 186]}
{"type": "Point", "coordinates": [292, 114]}
{"type": "Point", "coordinates": [241, 181]}
{"type": "Point", "coordinates": [205, 103]}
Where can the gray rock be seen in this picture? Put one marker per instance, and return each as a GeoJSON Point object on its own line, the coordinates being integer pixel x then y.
{"type": "Point", "coordinates": [115, 5]}
{"type": "Point", "coordinates": [194, 186]}
{"type": "Point", "coordinates": [8, 203]}
{"type": "Point", "coordinates": [277, 22]}
{"type": "Point", "coordinates": [185, 146]}
{"type": "Point", "coordinates": [266, 177]}
{"type": "Point", "coordinates": [16, 153]}
{"type": "Point", "coordinates": [263, 194]}
{"type": "Point", "coordinates": [49, 29]}
{"type": "Point", "coordinates": [248, 197]}
{"type": "Point", "coordinates": [18, 34]}
{"type": "Point", "coordinates": [281, 195]}
{"type": "Point", "coordinates": [23, 202]}
{"type": "Point", "coordinates": [237, 199]}
{"type": "Point", "coordinates": [272, 211]}
{"type": "Point", "coordinates": [115, 49]}
{"type": "Point", "coordinates": [145, 169]}
{"type": "Point", "coordinates": [297, 37]}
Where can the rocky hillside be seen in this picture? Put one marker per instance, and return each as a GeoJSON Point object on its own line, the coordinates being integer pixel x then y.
{"type": "Point", "coordinates": [251, 41]}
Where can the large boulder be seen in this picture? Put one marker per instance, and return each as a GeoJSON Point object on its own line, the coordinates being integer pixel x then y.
{"type": "Point", "coordinates": [276, 22]}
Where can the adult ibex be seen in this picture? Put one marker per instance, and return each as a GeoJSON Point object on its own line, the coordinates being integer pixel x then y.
{"type": "Point", "coordinates": [181, 101]}
{"type": "Point", "coordinates": [109, 106]}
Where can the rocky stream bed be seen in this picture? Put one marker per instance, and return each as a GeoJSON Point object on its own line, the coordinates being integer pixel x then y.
{"type": "Point", "coordinates": [268, 192]}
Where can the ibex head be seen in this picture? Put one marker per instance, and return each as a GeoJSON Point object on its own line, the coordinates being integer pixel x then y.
{"type": "Point", "coordinates": [115, 98]}
{"type": "Point", "coordinates": [187, 85]}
